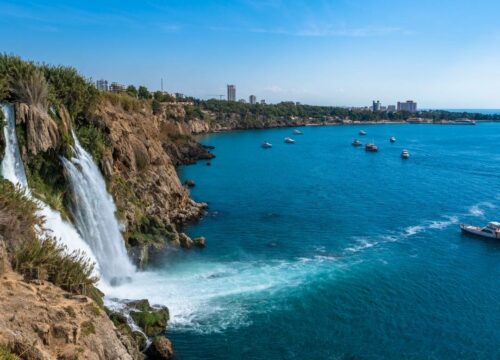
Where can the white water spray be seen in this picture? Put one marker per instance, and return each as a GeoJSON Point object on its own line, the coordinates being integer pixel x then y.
{"type": "Point", "coordinates": [94, 213]}
{"type": "Point", "coordinates": [12, 169]}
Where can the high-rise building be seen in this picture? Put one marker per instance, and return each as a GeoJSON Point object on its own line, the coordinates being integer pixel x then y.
{"type": "Point", "coordinates": [231, 93]}
{"type": "Point", "coordinates": [116, 88]}
{"type": "Point", "coordinates": [409, 106]}
{"type": "Point", "coordinates": [391, 108]}
{"type": "Point", "coordinates": [252, 99]}
{"type": "Point", "coordinates": [376, 105]}
{"type": "Point", "coordinates": [263, 102]}
{"type": "Point", "coordinates": [102, 85]}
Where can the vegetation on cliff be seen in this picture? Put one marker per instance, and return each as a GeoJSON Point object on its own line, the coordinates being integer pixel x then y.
{"type": "Point", "coordinates": [35, 253]}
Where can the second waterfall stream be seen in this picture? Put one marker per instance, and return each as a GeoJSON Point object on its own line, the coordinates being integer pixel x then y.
{"type": "Point", "coordinates": [94, 213]}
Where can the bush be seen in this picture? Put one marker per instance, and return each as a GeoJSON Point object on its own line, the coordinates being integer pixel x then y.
{"type": "Point", "coordinates": [36, 254]}
{"type": "Point", "coordinates": [93, 139]}
{"type": "Point", "coordinates": [144, 93]}
{"type": "Point", "coordinates": [125, 101]}
{"type": "Point", "coordinates": [72, 272]}
{"type": "Point", "coordinates": [17, 215]}
{"type": "Point", "coordinates": [6, 353]}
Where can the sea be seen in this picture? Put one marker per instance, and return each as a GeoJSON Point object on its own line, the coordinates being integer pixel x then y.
{"type": "Point", "coordinates": [321, 250]}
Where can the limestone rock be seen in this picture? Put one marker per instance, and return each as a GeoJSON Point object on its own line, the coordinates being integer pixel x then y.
{"type": "Point", "coordinates": [161, 349]}
{"type": "Point", "coordinates": [38, 321]}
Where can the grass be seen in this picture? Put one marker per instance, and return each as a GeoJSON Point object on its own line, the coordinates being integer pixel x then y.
{"type": "Point", "coordinates": [38, 255]}
{"type": "Point", "coordinates": [6, 353]}
{"type": "Point", "coordinates": [87, 328]}
{"type": "Point", "coordinates": [124, 100]}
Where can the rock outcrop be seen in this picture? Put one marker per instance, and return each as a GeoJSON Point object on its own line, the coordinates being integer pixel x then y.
{"type": "Point", "coordinates": [43, 322]}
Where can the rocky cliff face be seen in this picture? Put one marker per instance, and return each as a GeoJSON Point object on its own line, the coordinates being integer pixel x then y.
{"type": "Point", "coordinates": [139, 165]}
{"type": "Point", "coordinates": [43, 322]}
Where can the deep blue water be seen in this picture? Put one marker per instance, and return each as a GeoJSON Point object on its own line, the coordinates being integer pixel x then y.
{"type": "Point", "coordinates": [319, 250]}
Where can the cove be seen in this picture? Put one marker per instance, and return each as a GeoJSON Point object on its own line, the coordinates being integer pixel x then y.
{"type": "Point", "coordinates": [320, 250]}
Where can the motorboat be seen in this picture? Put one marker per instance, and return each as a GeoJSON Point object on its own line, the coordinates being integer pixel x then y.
{"type": "Point", "coordinates": [392, 139]}
{"type": "Point", "coordinates": [371, 147]}
{"type": "Point", "coordinates": [356, 142]}
{"type": "Point", "coordinates": [266, 145]}
{"type": "Point", "coordinates": [362, 132]}
{"type": "Point", "coordinates": [405, 154]}
{"type": "Point", "coordinates": [492, 230]}
{"type": "Point", "coordinates": [289, 140]}
{"type": "Point", "coordinates": [297, 132]}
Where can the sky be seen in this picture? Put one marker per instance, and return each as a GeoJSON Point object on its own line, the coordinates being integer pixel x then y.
{"type": "Point", "coordinates": [440, 53]}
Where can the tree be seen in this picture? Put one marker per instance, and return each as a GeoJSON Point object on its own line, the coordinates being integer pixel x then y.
{"type": "Point", "coordinates": [156, 106]}
{"type": "Point", "coordinates": [143, 93]}
{"type": "Point", "coordinates": [132, 91]}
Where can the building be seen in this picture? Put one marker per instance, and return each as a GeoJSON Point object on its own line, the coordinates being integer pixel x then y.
{"type": "Point", "coordinates": [243, 101]}
{"type": "Point", "coordinates": [376, 105]}
{"type": "Point", "coordinates": [231, 93]}
{"type": "Point", "coordinates": [263, 102]}
{"type": "Point", "coordinates": [391, 108]}
{"type": "Point", "coordinates": [180, 96]}
{"type": "Point", "coordinates": [102, 85]}
{"type": "Point", "coordinates": [252, 99]}
{"type": "Point", "coordinates": [116, 88]}
{"type": "Point", "coordinates": [409, 106]}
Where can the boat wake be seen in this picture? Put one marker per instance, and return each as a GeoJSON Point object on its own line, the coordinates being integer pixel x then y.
{"type": "Point", "coordinates": [479, 209]}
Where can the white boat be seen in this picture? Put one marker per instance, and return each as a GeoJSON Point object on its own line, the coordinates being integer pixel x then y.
{"type": "Point", "coordinates": [405, 154]}
{"type": "Point", "coordinates": [492, 230]}
{"type": "Point", "coordinates": [371, 147]}
{"type": "Point", "coordinates": [297, 132]}
{"type": "Point", "coordinates": [356, 142]}
{"type": "Point", "coordinates": [289, 140]}
{"type": "Point", "coordinates": [362, 132]}
{"type": "Point", "coordinates": [392, 139]}
{"type": "Point", "coordinates": [266, 145]}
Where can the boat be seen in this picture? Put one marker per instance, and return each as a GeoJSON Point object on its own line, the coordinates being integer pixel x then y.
{"type": "Point", "coordinates": [289, 140]}
{"type": "Point", "coordinates": [405, 154]}
{"type": "Point", "coordinates": [266, 145]}
{"type": "Point", "coordinates": [392, 139]}
{"type": "Point", "coordinates": [362, 132]}
{"type": "Point", "coordinates": [356, 142]}
{"type": "Point", "coordinates": [492, 230]}
{"type": "Point", "coordinates": [297, 132]}
{"type": "Point", "coordinates": [459, 122]}
{"type": "Point", "coordinates": [371, 147]}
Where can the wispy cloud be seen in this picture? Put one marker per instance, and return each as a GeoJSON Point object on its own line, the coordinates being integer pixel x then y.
{"type": "Point", "coordinates": [329, 31]}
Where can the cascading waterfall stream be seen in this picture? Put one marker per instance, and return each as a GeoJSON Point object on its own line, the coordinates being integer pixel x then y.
{"type": "Point", "coordinates": [12, 169]}
{"type": "Point", "coordinates": [94, 213]}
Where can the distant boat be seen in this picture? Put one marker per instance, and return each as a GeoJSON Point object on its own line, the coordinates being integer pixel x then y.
{"type": "Point", "coordinates": [392, 139]}
{"type": "Point", "coordinates": [371, 147]}
{"type": "Point", "coordinates": [405, 154]}
{"type": "Point", "coordinates": [266, 145]}
{"type": "Point", "coordinates": [356, 142]}
{"type": "Point", "coordinates": [289, 140]}
{"type": "Point", "coordinates": [362, 132]}
{"type": "Point", "coordinates": [297, 132]}
{"type": "Point", "coordinates": [492, 230]}
{"type": "Point", "coordinates": [459, 122]}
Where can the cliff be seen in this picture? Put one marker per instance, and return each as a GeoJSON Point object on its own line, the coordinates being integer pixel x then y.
{"type": "Point", "coordinates": [41, 321]}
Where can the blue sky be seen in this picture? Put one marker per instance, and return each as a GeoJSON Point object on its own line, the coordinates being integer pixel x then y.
{"type": "Point", "coordinates": [440, 53]}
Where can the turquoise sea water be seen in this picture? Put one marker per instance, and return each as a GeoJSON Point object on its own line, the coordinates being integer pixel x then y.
{"type": "Point", "coordinates": [320, 250]}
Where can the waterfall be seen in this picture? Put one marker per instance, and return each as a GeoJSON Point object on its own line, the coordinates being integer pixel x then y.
{"type": "Point", "coordinates": [94, 213]}
{"type": "Point", "coordinates": [12, 169]}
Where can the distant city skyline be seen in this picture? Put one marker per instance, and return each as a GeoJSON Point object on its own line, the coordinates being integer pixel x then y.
{"type": "Point", "coordinates": [341, 53]}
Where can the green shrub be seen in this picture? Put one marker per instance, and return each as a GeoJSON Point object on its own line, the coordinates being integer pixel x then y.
{"type": "Point", "coordinates": [6, 353]}
{"type": "Point", "coordinates": [87, 328]}
{"type": "Point", "coordinates": [93, 139]}
{"type": "Point", "coordinates": [46, 179]}
{"type": "Point", "coordinates": [124, 100]}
